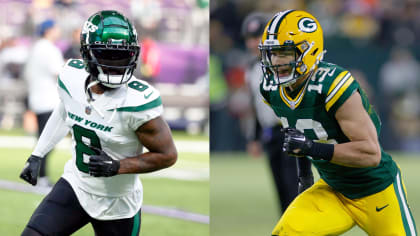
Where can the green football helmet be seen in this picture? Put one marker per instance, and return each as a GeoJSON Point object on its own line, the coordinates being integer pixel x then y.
{"type": "Point", "coordinates": [109, 48]}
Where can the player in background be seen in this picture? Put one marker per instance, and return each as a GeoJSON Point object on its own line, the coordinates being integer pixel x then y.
{"type": "Point", "coordinates": [40, 73]}
{"type": "Point", "coordinates": [266, 131]}
{"type": "Point", "coordinates": [112, 116]}
{"type": "Point", "coordinates": [328, 119]}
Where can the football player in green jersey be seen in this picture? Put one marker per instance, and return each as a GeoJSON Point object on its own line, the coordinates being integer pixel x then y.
{"type": "Point", "coordinates": [328, 119]}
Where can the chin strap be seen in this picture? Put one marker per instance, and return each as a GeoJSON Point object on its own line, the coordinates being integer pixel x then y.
{"type": "Point", "coordinates": [87, 90]}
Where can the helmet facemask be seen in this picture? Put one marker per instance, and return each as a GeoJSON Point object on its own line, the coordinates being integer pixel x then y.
{"type": "Point", "coordinates": [112, 65]}
{"type": "Point", "coordinates": [284, 74]}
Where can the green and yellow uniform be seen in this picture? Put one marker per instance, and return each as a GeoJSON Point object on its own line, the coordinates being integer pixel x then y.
{"type": "Point", "coordinates": [374, 197]}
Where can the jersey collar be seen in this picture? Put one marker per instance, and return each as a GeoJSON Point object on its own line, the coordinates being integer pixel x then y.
{"type": "Point", "coordinates": [290, 102]}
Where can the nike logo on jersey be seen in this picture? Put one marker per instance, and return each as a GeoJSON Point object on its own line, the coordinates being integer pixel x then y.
{"type": "Point", "coordinates": [148, 95]}
{"type": "Point", "coordinates": [331, 72]}
{"type": "Point", "coordinates": [381, 208]}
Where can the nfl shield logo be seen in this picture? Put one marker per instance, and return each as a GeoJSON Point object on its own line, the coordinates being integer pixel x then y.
{"type": "Point", "coordinates": [88, 110]}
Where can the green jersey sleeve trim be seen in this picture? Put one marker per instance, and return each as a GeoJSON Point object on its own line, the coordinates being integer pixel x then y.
{"type": "Point", "coordinates": [155, 103]}
{"type": "Point", "coordinates": [61, 84]}
{"type": "Point", "coordinates": [345, 92]}
{"type": "Point", "coordinates": [340, 84]}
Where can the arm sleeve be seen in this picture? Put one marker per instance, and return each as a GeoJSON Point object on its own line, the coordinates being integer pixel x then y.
{"type": "Point", "coordinates": [54, 131]}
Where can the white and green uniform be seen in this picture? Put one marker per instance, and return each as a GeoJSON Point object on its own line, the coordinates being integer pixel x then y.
{"type": "Point", "coordinates": [312, 110]}
{"type": "Point", "coordinates": [124, 109]}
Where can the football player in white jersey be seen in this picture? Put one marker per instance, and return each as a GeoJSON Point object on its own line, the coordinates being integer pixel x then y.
{"type": "Point", "coordinates": [111, 116]}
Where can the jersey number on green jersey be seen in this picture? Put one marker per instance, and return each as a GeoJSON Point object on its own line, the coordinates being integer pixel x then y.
{"type": "Point", "coordinates": [311, 125]}
{"type": "Point", "coordinates": [81, 136]}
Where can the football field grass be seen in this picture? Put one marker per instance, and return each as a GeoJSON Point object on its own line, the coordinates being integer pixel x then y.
{"type": "Point", "coordinates": [185, 187]}
{"type": "Point", "coordinates": [243, 201]}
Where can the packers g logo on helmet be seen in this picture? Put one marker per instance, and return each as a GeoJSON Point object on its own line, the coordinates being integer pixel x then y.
{"type": "Point", "coordinates": [298, 33]}
{"type": "Point", "coordinates": [307, 25]}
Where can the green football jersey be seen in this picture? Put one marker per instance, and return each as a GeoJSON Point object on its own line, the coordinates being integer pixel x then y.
{"type": "Point", "coordinates": [313, 110]}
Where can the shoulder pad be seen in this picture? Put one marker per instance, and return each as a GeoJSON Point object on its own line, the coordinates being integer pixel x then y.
{"type": "Point", "coordinates": [326, 73]}
{"type": "Point", "coordinates": [71, 78]}
{"type": "Point", "coordinates": [76, 64]}
{"type": "Point", "coordinates": [140, 96]}
{"type": "Point", "coordinates": [336, 84]}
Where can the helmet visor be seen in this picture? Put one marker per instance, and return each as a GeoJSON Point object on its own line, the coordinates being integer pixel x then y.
{"type": "Point", "coordinates": [114, 61]}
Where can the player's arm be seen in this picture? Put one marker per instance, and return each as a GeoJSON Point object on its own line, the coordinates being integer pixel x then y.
{"type": "Point", "coordinates": [54, 131]}
{"type": "Point", "coordinates": [156, 136]}
{"type": "Point", "coordinates": [363, 150]}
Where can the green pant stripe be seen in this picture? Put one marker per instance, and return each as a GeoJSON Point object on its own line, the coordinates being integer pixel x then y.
{"type": "Point", "coordinates": [136, 225]}
{"type": "Point", "coordinates": [408, 222]}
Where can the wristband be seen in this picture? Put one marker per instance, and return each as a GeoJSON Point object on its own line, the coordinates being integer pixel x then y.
{"type": "Point", "coordinates": [321, 151]}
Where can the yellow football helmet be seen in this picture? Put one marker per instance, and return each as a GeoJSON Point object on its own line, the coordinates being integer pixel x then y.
{"type": "Point", "coordinates": [296, 32]}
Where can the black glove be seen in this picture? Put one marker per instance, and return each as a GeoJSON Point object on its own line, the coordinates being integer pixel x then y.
{"type": "Point", "coordinates": [102, 165]}
{"type": "Point", "coordinates": [31, 170]}
{"type": "Point", "coordinates": [304, 173]}
{"type": "Point", "coordinates": [296, 143]}
{"type": "Point", "coordinates": [305, 182]}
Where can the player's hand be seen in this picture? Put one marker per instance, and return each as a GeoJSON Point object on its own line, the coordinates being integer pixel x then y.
{"type": "Point", "coordinates": [305, 182]}
{"type": "Point", "coordinates": [31, 170]}
{"type": "Point", "coordinates": [296, 143]}
{"type": "Point", "coordinates": [102, 165]}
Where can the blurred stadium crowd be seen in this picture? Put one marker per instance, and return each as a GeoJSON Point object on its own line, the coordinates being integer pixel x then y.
{"type": "Point", "coordinates": [377, 40]}
{"type": "Point", "coordinates": [174, 51]}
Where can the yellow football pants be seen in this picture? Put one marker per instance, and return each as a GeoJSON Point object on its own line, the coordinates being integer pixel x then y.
{"type": "Point", "coordinates": [322, 211]}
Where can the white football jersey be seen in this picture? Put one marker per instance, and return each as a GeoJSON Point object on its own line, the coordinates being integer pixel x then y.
{"type": "Point", "coordinates": [109, 124]}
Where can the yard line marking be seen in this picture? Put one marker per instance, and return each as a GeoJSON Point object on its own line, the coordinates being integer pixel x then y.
{"type": "Point", "coordinates": [30, 141]}
{"type": "Point", "coordinates": [175, 213]}
{"type": "Point", "coordinates": [26, 188]}
{"type": "Point", "coordinates": [155, 210]}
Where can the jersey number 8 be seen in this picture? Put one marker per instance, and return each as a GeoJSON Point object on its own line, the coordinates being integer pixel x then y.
{"type": "Point", "coordinates": [83, 152]}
